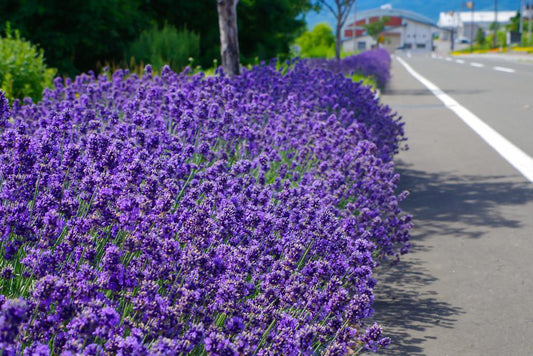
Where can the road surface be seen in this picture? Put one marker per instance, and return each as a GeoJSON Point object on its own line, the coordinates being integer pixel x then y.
{"type": "Point", "coordinates": [466, 287]}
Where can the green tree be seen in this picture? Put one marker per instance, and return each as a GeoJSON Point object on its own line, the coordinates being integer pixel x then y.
{"type": "Point", "coordinates": [320, 42]}
{"type": "Point", "coordinates": [374, 29]}
{"type": "Point", "coordinates": [480, 37]}
{"type": "Point", "coordinates": [514, 25]}
{"type": "Point", "coordinates": [76, 34]}
{"type": "Point", "coordinates": [266, 27]}
{"type": "Point", "coordinates": [340, 9]}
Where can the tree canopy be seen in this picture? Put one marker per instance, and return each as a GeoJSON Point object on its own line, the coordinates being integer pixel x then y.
{"type": "Point", "coordinates": [319, 42]}
{"type": "Point", "coordinates": [76, 34]}
{"type": "Point", "coordinates": [340, 9]}
{"type": "Point", "coordinates": [374, 29]}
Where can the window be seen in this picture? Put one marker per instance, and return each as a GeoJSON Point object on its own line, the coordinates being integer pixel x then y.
{"type": "Point", "coordinates": [361, 45]}
{"type": "Point", "coordinates": [420, 45]}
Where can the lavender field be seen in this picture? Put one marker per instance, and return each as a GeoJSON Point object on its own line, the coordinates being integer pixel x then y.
{"type": "Point", "coordinates": [176, 213]}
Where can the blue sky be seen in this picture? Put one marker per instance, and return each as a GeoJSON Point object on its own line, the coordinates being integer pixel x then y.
{"type": "Point", "coordinates": [428, 8]}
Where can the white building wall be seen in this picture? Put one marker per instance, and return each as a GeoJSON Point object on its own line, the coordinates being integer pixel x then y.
{"type": "Point", "coordinates": [413, 35]}
{"type": "Point", "coordinates": [417, 36]}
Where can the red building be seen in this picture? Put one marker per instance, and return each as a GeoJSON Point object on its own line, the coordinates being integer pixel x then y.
{"type": "Point", "coordinates": [404, 29]}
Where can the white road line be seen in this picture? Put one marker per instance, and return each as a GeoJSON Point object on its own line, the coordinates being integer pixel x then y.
{"type": "Point", "coordinates": [448, 59]}
{"type": "Point", "coordinates": [479, 65]}
{"type": "Point", "coordinates": [512, 154]}
{"type": "Point", "coordinates": [409, 54]}
{"type": "Point", "coordinates": [433, 55]}
{"type": "Point", "coordinates": [503, 69]}
{"type": "Point", "coordinates": [460, 61]}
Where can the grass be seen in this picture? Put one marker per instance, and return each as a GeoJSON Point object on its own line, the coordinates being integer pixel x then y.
{"type": "Point", "coordinates": [369, 81]}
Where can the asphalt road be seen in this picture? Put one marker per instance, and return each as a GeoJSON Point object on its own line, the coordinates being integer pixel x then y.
{"type": "Point", "coordinates": [466, 287]}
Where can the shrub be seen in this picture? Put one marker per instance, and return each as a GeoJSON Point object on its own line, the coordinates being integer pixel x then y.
{"type": "Point", "coordinates": [481, 38]}
{"type": "Point", "coordinates": [23, 72]}
{"type": "Point", "coordinates": [165, 46]}
{"type": "Point", "coordinates": [207, 215]}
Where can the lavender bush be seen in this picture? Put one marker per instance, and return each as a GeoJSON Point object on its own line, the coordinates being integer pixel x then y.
{"type": "Point", "coordinates": [375, 63]}
{"type": "Point", "coordinates": [174, 214]}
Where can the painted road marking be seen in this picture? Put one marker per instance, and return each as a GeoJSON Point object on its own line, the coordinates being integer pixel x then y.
{"type": "Point", "coordinates": [512, 154]}
{"type": "Point", "coordinates": [448, 59]}
{"type": "Point", "coordinates": [503, 69]}
{"type": "Point", "coordinates": [460, 61]}
{"type": "Point", "coordinates": [478, 65]}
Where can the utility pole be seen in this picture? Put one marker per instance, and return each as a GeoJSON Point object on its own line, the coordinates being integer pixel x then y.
{"type": "Point", "coordinates": [522, 9]}
{"type": "Point", "coordinates": [495, 39]}
{"type": "Point", "coordinates": [529, 12]}
{"type": "Point", "coordinates": [472, 29]}
{"type": "Point", "coordinates": [470, 5]}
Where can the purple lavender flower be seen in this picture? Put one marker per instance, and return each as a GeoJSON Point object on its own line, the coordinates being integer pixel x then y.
{"type": "Point", "coordinates": [4, 109]}
{"type": "Point", "coordinates": [182, 213]}
{"type": "Point", "coordinates": [13, 314]}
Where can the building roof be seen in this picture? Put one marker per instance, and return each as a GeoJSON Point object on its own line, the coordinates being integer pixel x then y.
{"type": "Point", "coordinates": [408, 15]}
{"type": "Point", "coordinates": [454, 19]}
{"type": "Point", "coordinates": [487, 16]}
{"type": "Point", "coordinates": [449, 19]}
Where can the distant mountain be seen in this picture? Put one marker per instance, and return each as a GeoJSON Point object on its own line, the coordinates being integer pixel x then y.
{"type": "Point", "coordinates": [428, 8]}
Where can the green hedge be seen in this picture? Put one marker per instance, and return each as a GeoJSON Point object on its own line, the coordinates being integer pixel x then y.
{"type": "Point", "coordinates": [165, 46]}
{"type": "Point", "coordinates": [23, 72]}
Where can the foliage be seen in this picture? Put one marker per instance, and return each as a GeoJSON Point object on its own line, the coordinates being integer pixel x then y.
{"type": "Point", "coordinates": [501, 39]}
{"type": "Point", "coordinates": [514, 24]}
{"type": "Point", "coordinates": [268, 27]}
{"type": "Point", "coordinates": [165, 46]}
{"type": "Point", "coordinates": [340, 10]}
{"type": "Point", "coordinates": [317, 43]}
{"type": "Point", "coordinates": [365, 80]}
{"type": "Point", "coordinates": [182, 214]}
{"type": "Point", "coordinates": [23, 71]}
{"type": "Point", "coordinates": [480, 37]}
{"type": "Point", "coordinates": [76, 34]}
{"type": "Point", "coordinates": [374, 29]}
{"type": "Point", "coordinates": [527, 39]}
{"type": "Point", "coordinates": [373, 63]}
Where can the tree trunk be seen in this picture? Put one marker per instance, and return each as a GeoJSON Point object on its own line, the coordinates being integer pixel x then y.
{"type": "Point", "coordinates": [338, 39]}
{"type": "Point", "coordinates": [229, 40]}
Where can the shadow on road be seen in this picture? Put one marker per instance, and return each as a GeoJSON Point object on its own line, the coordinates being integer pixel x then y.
{"type": "Point", "coordinates": [443, 204]}
{"type": "Point", "coordinates": [440, 200]}
{"type": "Point", "coordinates": [401, 308]}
